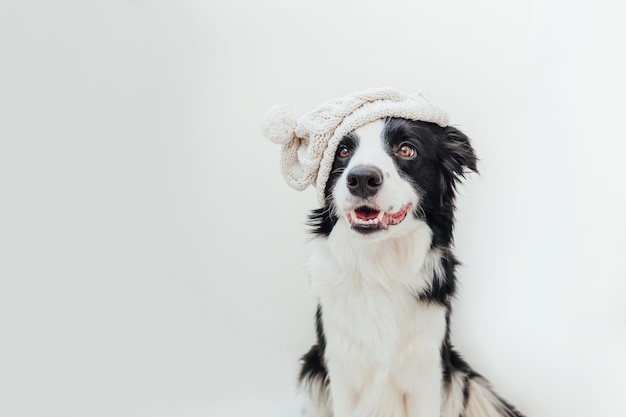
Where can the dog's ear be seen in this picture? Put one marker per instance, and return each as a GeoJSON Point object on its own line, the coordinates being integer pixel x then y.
{"type": "Point", "coordinates": [460, 154]}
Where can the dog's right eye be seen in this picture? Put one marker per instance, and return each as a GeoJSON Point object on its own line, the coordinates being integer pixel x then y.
{"type": "Point", "coordinates": [406, 151]}
{"type": "Point", "coordinates": [343, 152]}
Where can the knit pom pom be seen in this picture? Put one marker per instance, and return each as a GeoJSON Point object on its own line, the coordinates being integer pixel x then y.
{"type": "Point", "coordinates": [279, 124]}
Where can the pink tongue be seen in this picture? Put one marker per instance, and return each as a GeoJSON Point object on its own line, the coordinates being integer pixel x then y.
{"type": "Point", "coordinates": [366, 214]}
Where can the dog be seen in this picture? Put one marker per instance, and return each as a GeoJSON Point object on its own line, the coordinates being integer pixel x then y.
{"type": "Point", "coordinates": [382, 267]}
{"type": "Point", "coordinates": [384, 274]}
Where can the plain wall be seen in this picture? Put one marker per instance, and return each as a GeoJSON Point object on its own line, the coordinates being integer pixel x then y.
{"type": "Point", "coordinates": [152, 258]}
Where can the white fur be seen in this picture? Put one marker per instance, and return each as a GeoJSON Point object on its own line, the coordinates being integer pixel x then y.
{"type": "Point", "coordinates": [383, 346]}
{"type": "Point", "coordinates": [482, 402]}
{"type": "Point", "coordinates": [316, 399]}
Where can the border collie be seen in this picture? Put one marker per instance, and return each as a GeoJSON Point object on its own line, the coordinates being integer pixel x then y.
{"type": "Point", "coordinates": [383, 272]}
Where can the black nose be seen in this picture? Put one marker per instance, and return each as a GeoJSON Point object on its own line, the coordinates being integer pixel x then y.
{"type": "Point", "coordinates": [364, 181]}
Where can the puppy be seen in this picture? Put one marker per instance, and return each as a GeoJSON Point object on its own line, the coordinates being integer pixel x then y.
{"type": "Point", "coordinates": [382, 266]}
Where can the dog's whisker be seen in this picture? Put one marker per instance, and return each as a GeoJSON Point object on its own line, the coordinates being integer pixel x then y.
{"type": "Point", "coordinates": [420, 211]}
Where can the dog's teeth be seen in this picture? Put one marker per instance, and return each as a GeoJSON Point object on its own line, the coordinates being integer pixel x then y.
{"type": "Point", "coordinates": [353, 218]}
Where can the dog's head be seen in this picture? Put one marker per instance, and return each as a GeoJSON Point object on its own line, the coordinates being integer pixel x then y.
{"type": "Point", "coordinates": [393, 174]}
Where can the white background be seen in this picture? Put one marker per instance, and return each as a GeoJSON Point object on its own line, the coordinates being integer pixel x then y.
{"type": "Point", "coordinates": [151, 256]}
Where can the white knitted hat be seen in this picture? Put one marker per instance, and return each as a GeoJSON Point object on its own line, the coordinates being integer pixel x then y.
{"type": "Point", "coordinates": [310, 142]}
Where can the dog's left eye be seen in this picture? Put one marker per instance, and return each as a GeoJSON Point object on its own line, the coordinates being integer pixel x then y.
{"type": "Point", "coordinates": [343, 152]}
{"type": "Point", "coordinates": [406, 151]}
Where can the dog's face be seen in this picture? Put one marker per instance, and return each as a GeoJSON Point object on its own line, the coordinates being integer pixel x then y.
{"type": "Point", "coordinates": [392, 174]}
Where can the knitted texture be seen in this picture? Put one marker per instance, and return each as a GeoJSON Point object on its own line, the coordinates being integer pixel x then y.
{"type": "Point", "coordinates": [310, 142]}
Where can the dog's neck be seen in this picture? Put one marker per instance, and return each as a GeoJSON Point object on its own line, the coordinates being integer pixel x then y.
{"type": "Point", "coordinates": [406, 260]}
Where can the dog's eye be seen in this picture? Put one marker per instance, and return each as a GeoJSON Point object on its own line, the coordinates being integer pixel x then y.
{"type": "Point", "coordinates": [343, 152]}
{"type": "Point", "coordinates": [406, 151]}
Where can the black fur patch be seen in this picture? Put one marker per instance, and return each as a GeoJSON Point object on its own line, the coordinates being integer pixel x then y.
{"type": "Point", "coordinates": [313, 361]}
{"type": "Point", "coordinates": [444, 155]}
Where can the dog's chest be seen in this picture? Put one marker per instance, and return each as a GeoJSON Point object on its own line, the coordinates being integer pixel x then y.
{"type": "Point", "coordinates": [381, 341]}
{"type": "Point", "coordinates": [375, 333]}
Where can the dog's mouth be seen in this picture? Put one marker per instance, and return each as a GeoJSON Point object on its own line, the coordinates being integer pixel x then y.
{"type": "Point", "coordinates": [367, 219]}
